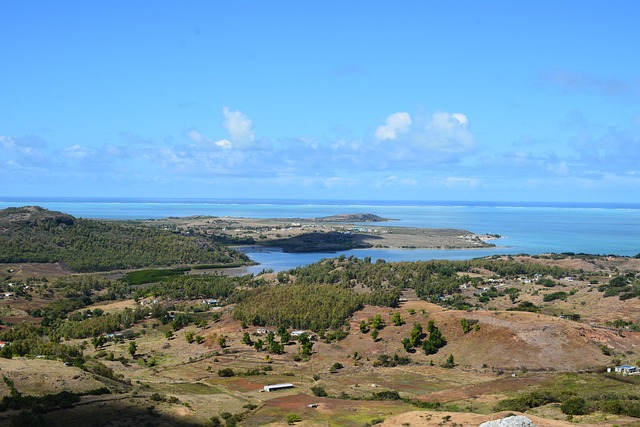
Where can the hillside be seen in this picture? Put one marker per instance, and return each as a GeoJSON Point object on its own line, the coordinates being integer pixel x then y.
{"type": "Point", "coordinates": [34, 234]}
{"type": "Point", "coordinates": [426, 343]}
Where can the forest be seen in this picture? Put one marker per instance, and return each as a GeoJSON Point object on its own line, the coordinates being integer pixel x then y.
{"type": "Point", "coordinates": [33, 234]}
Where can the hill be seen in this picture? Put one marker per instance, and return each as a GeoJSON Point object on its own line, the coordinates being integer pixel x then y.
{"type": "Point", "coordinates": [506, 334]}
{"type": "Point", "coordinates": [34, 234]}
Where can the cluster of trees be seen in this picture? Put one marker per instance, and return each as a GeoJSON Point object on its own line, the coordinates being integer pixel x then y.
{"type": "Point", "coordinates": [390, 362]}
{"type": "Point", "coordinates": [76, 292]}
{"type": "Point", "coordinates": [107, 323]}
{"type": "Point", "coordinates": [301, 306]}
{"type": "Point", "coordinates": [194, 286]}
{"type": "Point", "coordinates": [625, 287]}
{"type": "Point", "coordinates": [30, 339]}
{"type": "Point", "coordinates": [469, 324]}
{"type": "Point", "coordinates": [430, 279]}
{"type": "Point", "coordinates": [38, 235]}
{"type": "Point", "coordinates": [561, 295]}
{"type": "Point", "coordinates": [431, 345]}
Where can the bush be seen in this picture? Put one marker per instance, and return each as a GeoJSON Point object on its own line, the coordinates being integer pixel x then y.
{"type": "Point", "coordinates": [527, 401]}
{"type": "Point", "coordinates": [318, 391]}
{"type": "Point", "coordinates": [574, 406]}
{"type": "Point", "coordinates": [387, 395]}
{"type": "Point", "coordinates": [293, 418]}
{"type": "Point", "coordinates": [554, 296]}
{"type": "Point", "coordinates": [227, 372]}
{"type": "Point", "coordinates": [334, 368]}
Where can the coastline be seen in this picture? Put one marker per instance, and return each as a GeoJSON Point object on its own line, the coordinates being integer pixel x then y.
{"type": "Point", "coordinates": [299, 235]}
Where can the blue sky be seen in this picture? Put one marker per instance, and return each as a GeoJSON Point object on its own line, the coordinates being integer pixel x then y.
{"type": "Point", "coordinates": [405, 100]}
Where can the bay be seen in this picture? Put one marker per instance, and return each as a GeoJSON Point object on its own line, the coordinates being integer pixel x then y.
{"type": "Point", "coordinates": [531, 228]}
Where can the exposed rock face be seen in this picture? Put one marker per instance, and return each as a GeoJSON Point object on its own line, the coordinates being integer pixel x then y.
{"type": "Point", "coordinates": [514, 421]}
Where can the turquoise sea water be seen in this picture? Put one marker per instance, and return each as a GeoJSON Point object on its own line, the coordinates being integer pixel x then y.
{"type": "Point", "coordinates": [531, 228]}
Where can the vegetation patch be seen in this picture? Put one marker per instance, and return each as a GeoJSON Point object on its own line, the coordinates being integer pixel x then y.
{"type": "Point", "coordinates": [34, 234]}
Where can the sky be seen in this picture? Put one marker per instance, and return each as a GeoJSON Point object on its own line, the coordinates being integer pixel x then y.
{"type": "Point", "coordinates": [377, 100]}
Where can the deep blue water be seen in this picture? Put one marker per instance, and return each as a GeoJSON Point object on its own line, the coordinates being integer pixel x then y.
{"type": "Point", "coordinates": [526, 227]}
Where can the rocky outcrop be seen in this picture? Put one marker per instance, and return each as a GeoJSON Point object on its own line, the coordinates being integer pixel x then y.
{"type": "Point", "coordinates": [513, 421]}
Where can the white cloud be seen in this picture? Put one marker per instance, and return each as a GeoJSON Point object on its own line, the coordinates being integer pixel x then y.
{"type": "Point", "coordinates": [196, 136]}
{"type": "Point", "coordinates": [461, 118]}
{"type": "Point", "coordinates": [396, 123]}
{"type": "Point", "coordinates": [77, 152]}
{"type": "Point", "coordinates": [223, 143]}
{"type": "Point", "coordinates": [239, 127]}
{"type": "Point", "coordinates": [447, 133]}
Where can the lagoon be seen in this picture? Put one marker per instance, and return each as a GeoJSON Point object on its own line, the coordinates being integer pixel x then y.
{"type": "Point", "coordinates": [531, 228]}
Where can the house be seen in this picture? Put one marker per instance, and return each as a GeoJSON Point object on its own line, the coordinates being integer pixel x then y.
{"type": "Point", "coordinates": [297, 333]}
{"type": "Point", "coordinates": [210, 301]}
{"type": "Point", "coordinates": [262, 331]}
{"type": "Point", "coordinates": [626, 369]}
{"type": "Point", "coordinates": [275, 387]}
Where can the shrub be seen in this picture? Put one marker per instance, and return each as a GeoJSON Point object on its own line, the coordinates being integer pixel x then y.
{"type": "Point", "coordinates": [574, 406]}
{"type": "Point", "coordinates": [386, 395]}
{"type": "Point", "coordinates": [227, 372]}
{"type": "Point", "coordinates": [293, 418]}
{"type": "Point", "coordinates": [318, 391]}
{"type": "Point", "coordinates": [554, 296]}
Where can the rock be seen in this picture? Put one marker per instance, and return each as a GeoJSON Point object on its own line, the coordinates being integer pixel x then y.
{"type": "Point", "coordinates": [514, 421]}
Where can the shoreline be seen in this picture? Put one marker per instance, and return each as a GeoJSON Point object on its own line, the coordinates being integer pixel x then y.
{"type": "Point", "coordinates": [299, 235]}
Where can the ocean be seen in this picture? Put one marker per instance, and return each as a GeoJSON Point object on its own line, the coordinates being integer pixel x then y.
{"type": "Point", "coordinates": [532, 228]}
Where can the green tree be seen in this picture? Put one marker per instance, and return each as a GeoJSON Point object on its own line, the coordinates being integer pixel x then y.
{"type": "Point", "coordinates": [574, 406]}
{"type": "Point", "coordinates": [246, 339]}
{"type": "Point", "coordinates": [396, 319]}
{"type": "Point", "coordinates": [377, 322]}
{"type": "Point", "coordinates": [513, 294]}
{"type": "Point", "coordinates": [318, 391]}
{"type": "Point", "coordinates": [226, 372]}
{"type": "Point", "coordinates": [222, 341]}
{"type": "Point", "coordinates": [305, 345]}
{"type": "Point", "coordinates": [133, 347]}
{"type": "Point", "coordinates": [189, 336]}
{"type": "Point", "coordinates": [293, 418]}
{"type": "Point", "coordinates": [450, 363]}
{"type": "Point", "coordinates": [374, 334]}
{"type": "Point", "coordinates": [285, 336]}
{"type": "Point", "coordinates": [98, 341]}
{"type": "Point", "coordinates": [415, 336]}
{"type": "Point", "coordinates": [364, 327]}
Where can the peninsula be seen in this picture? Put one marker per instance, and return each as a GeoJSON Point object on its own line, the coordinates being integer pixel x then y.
{"type": "Point", "coordinates": [325, 234]}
